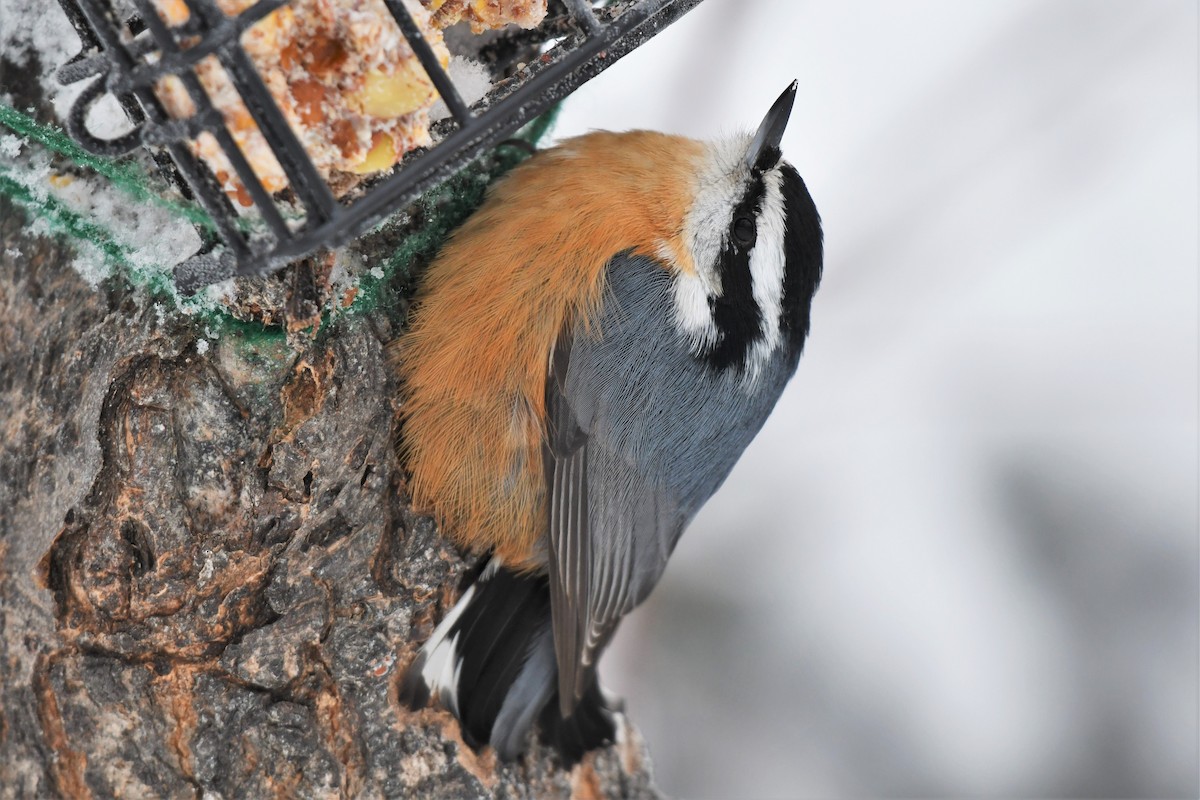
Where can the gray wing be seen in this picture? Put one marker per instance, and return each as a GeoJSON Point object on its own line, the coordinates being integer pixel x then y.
{"type": "Point", "coordinates": [640, 435]}
{"type": "Point", "coordinates": [609, 538]}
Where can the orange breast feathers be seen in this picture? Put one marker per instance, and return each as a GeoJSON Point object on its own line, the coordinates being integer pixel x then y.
{"type": "Point", "coordinates": [527, 264]}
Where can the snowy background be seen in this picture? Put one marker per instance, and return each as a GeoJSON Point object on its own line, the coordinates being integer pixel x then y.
{"type": "Point", "coordinates": [961, 559]}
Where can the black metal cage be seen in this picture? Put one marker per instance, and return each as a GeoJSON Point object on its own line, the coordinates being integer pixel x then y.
{"type": "Point", "coordinates": [128, 49]}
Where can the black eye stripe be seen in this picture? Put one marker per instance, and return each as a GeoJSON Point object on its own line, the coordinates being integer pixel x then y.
{"type": "Point", "coordinates": [735, 312]}
{"type": "Point", "coordinates": [745, 231]}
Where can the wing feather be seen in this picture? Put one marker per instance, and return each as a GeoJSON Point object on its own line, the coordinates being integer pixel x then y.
{"type": "Point", "coordinates": [627, 461]}
{"type": "Point", "coordinates": [570, 568]}
{"type": "Point", "coordinates": [592, 518]}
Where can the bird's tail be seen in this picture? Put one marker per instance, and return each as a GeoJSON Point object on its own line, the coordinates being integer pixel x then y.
{"type": "Point", "coordinates": [491, 663]}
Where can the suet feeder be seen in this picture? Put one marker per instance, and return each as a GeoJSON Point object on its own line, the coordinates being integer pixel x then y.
{"type": "Point", "coordinates": [232, 108]}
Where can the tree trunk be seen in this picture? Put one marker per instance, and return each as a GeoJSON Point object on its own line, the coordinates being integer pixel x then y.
{"type": "Point", "coordinates": [210, 577]}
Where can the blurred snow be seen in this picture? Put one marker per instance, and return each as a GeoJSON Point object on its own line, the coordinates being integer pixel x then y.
{"type": "Point", "coordinates": [151, 238]}
{"type": "Point", "coordinates": [962, 557]}
{"type": "Point", "coordinates": [37, 36]}
{"type": "Point", "coordinates": [470, 78]}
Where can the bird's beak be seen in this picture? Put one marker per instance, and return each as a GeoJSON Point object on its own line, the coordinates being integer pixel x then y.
{"type": "Point", "coordinates": [763, 152]}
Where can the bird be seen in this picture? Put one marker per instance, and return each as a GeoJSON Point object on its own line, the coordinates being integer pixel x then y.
{"type": "Point", "coordinates": [586, 359]}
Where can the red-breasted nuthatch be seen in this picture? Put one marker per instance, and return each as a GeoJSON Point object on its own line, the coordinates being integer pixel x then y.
{"type": "Point", "coordinates": [589, 355]}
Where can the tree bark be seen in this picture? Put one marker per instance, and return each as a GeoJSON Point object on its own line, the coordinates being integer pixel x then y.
{"type": "Point", "coordinates": [210, 577]}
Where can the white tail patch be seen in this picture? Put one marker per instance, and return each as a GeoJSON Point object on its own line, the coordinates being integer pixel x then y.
{"type": "Point", "coordinates": [442, 663]}
{"type": "Point", "coordinates": [491, 569]}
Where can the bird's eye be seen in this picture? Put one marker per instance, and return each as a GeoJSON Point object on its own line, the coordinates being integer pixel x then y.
{"type": "Point", "coordinates": [743, 231]}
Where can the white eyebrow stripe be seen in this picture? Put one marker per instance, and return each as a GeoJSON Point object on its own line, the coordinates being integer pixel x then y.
{"type": "Point", "coordinates": [767, 268]}
{"type": "Point", "coordinates": [720, 185]}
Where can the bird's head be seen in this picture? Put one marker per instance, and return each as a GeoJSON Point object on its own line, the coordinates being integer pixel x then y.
{"type": "Point", "coordinates": [731, 221]}
{"type": "Point", "coordinates": [752, 247]}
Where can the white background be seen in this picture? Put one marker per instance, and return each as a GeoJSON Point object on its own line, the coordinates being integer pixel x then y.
{"type": "Point", "coordinates": [961, 558]}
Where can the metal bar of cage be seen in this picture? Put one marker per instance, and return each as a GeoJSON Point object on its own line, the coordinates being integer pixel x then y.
{"type": "Point", "coordinates": [327, 222]}
{"type": "Point", "coordinates": [582, 13]}
{"type": "Point", "coordinates": [211, 121]}
{"type": "Point", "coordinates": [216, 204]}
{"type": "Point", "coordinates": [217, 33]}
{"type": "Point", "coordinates": [303, 177]}
{"type": "Point", "coordinates": [441, 80]}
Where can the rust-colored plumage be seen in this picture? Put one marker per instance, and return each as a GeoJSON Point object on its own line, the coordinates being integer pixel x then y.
{"type": "Point", "coordinates": [474, 362]}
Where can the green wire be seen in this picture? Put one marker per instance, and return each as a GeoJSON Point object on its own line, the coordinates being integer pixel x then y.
{"type": "Point", "coordinates": [446, 206]}
{"type": "Point", "coordinates": [125, 176]}
{"type": "Point", "coordinates": [63, 219]}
